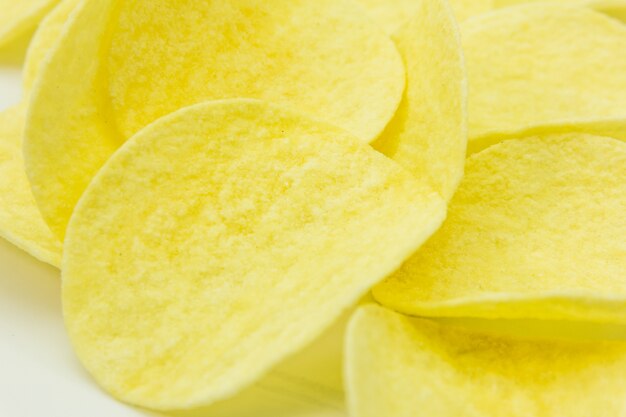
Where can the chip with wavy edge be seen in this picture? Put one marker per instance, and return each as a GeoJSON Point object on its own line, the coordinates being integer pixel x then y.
{"type": "Point", "coordinates": [535, 230]}
{"type": "Point", "coordinates": [323, 58]}
{"type": "Point", "coordinates": [534, 69]}
{"type": "Point", "coordinates": [428, 134]}
{"type": "Point", "coordinates": [20, 17]}
{"type": "Point", "coordinates": [392, 14]}
{"type": "Point", "coordinates": [221, 239]}
{"type": "Point", "coordinates": [20, 220]}
{"type": "Point", "coordinates": [398, 367]}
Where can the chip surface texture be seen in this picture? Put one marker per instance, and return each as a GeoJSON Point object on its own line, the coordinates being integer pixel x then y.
{"type": "Point", "coordinates": [20, 220]}
{"type": "Point", "coordinates": [428, 134]}
{"type": "Point", "coordinates": [536, 230]}
{"type": "Point", "coordinates": [224, 237]}
{"type": "Point", "coordinates": [121, 65]}
{"type": "Point", "coordinates": [544, 66]}
{"type": "Point", "coordinates": [397, 367]}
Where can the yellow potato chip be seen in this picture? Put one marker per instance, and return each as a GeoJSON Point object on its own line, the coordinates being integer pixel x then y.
{"type": "Point", "coordinates": [224, 237]}
{"type": "Point", "coordinates": [464, 9]}
{"type": "Point", "coordinates": [45, 38]}
{"type": "Point", "coordinates": [392, 14]}
{"type": "Point", "coordinates": [536, 230]}
{"type": "Point", "coordinates": [20, 220]}
{"type": "Point", "coordinates": [546, 66]}
{"type": "Point", "coordinates": [20, 17]}
{"type": "Point", "coordinates": [122, 65]}
{"type": "Point", "coordinates": [428, 134]}
{"type": "Point", "coordinates": [613, 8]}
{"type": "Point", "coordinates": [397, 367]}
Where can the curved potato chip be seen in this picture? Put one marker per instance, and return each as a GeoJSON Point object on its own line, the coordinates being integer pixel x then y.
{"type": "Point", "coordinates": [221, 239]}
{"type": "Point", "coordinates": [428, 134]}
{"type": "Point", "coordinates": [20, 17]}
{"type": "Point", "coordinates": [537, 65]}
{"type": "Point", "coordinates": [613, 8]}
{"type": "Point", "coordinates": [121, 66]}
{"type": "Point", "coordinates": [536, 230]}
{"type": "Point", "coordinates": [392, 14]}
{"type": "Point", "coordinates": [46, 36]}
{"type": "Point", "coordinates": [464, 9]}
{"type": "Point", "coordinates": [397, 367]}
{"type": "Point", "coordinates": [20, 220]}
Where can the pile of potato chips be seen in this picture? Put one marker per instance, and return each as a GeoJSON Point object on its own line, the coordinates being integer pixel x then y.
{"type": "Point", "coordinates": [219, 181]}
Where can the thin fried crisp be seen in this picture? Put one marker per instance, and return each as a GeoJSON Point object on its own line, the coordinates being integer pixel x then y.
{"type": "Point", "coordinates": [428, 134]}
{"type": "Point", "coordinates": [121, 65]}
{"type": "Point", "coordinates": [397, 367]}
{"type": "Point", "coordinates": [20, 17]}
{"type": "Point", "coordinates": [536, 230]}
{"type": "Point", "coordinates": [613, 8]}
{"type": "Point", "coordinates": [392, 14]}
{"type": "Point", "coordinates": [544, 66]}
{"type": "Point", "coordinates": [46, 36]}
{"type": "Point", "coordinates": [20, 220]}
{"type": "Point", "coordinates": [221, 239]}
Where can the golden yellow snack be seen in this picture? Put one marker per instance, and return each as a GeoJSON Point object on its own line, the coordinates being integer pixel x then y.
{"type": "Point", "coordinates": [19, 17]}
{"type": "Point", "coordinates": [398, 367]}
{"type": "Point", "coordinates": [428, 134]}
{"type": "Point", "coordinates": [221, 239]}
{"type": "Point", "coordinates": [613, 8]}
{"type": "Point", "coordinates": [392, 14]}
{"type": "Point", "coordinates": [45, 38]}
{"type": "Point", "coordinates": [20, 220]}
{"type": "Point", "coordinates": [324, 58]}
{"type": "Point", "coordinates": [536, 230]}
{"type": "Point", "coordinates": [544, 66]}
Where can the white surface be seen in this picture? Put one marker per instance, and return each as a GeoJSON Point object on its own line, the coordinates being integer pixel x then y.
{"type": "Point", "coordinates": [40, 376]}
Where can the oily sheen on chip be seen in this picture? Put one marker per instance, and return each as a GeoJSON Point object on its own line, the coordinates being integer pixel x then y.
{"type": "Point", "coordinates": [224, 237]}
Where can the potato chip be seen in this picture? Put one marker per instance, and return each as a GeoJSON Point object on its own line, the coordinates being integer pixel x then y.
{"type": "Point", "coordinates": [20, 220]}
{"type": "Point", "coordinates": [535, 230]}
{"type": "Point", "coordinates": [613, 8]}
{"type": "Point", "coordinates": [538, 65]}
{"type": "Point", "coordinates": [122, 65]}
{"type": "Point", "coordinates": [428, 134]}
{"type": "Point", "coordinates": [392, 14]}
{"type": "Point", "coordinates": [397, 367]}
{"type": "Point", "coordinates": [221, 239]}
{"type": "Point", "coordinates": [19, 17]}
{"type": "Point", "coordinates": [45, 38]}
